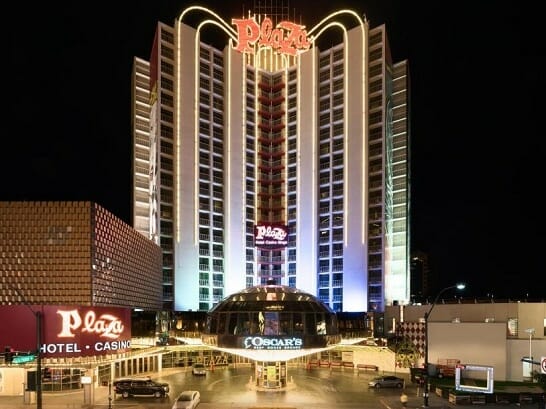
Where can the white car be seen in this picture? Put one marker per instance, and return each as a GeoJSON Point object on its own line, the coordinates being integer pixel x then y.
{"type": "Point", "coordinates": [187, 400]}
{"type": "Point", "coordinates": [199, 369]}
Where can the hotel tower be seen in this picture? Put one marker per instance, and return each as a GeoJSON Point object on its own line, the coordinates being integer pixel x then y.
{"type": "Point", "coordinates": [268, 150]}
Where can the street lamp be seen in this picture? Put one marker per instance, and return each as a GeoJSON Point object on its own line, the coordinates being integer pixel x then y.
{"type": "Point", "coordinates": [38, 317]}
{"type": "Point", "coordinates": [427, 315]}
{"type": "Point", "coordinates": [530, 331]}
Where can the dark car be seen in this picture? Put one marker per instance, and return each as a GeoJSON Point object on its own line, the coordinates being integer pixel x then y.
{"type": "Point", "coordinates": [387, 381]}
{"type": "Point", "coordinates": [142, 387]}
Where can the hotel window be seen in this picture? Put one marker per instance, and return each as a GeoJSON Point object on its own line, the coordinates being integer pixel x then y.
{"type": "Point", "coordinates": [167, 52]}
{"type": "Point", "coordinates": [338, 100]}
{"type": "Point", "coordinates": [337, 264]}
{"type": "Point", "coordinates": [217, 88]}
{"type": "Point", "coordinates": [324, 89]}
{"type": "Point", "coordinates": [167, 84]}
{"type": "Point", "coordinates": [167, 99]}
{"type": "Point", "coordinates": [204, 113]}
{"type": "Point", "coordinates": [324, 75]}
{"type": "Point", "coordinates": [166, 131]}
{"type": "Point", "coordinates": [218, 117]}
{"type": "Point", "coordinates": [338, 70]}
{"type": "Point", "coordinates": [204, 53]}
{"type": "Point", "coordinates": [217, 74]}
{"type": "Point", "coordinates": [324, 61]}
{"type": "Point", "coordinates": [204, 83]}
{"type": "Point", "coordinates": [167, 68]}
{"type": "Point", "coordinates": [166, 115]}
{"type": "Point", "coordinates": [204, 68]}
{"type": "Point", "coordinates": [338, 85]}
{"type": "Point", "coordinates": [376, 54]}
{"type": "Point", "coordinates": [324, 104]}
{"type": "Point", "coordinates": [218, 59]}
{"type": "Point", "coordinates": [218, 206]}
{"type": "Point", "coordinates": [250, 255]}
{"type": "Point", "coordinates": [324, 267]}
{"type": "Point", "coordinates": [167, 36]}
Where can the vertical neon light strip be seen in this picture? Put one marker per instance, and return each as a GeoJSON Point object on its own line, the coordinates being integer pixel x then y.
{"type": "Point", "coordinates": [177, 107]}
{"type": "Point", "coordinates": [315, 171]}
{"type": "Point", "coordinates": [256, 156]}
{"type": "Point", "coordinates": [285, 169]}
{"type": "Point", "coordinates": [364, 88]}
{"type": "Point", "coordinates": [227, 180]}
{"type": "Point", "coordinates": [196, 142]}
{"type": "Point", "coordinates": [346, 216]}
{"type": "Point", "coordinates": [243, 153]}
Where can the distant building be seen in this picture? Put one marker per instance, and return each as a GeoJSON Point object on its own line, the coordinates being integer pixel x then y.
{"type": "Point", "coordinates": [304, 140]}
{"type": "Point", "coordinates": [420, 276]}
{"type": "Point", "coordinates": [75, 253]}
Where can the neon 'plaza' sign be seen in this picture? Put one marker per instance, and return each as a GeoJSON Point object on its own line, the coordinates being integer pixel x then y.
{"type": "Point", "coordinates": [285, 38]}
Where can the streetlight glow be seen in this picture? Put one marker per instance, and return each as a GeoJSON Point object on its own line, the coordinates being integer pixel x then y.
{"type": "Point", "coordinates": [458, 286]}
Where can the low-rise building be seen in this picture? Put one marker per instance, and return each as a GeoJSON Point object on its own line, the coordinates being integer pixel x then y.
{"type": "Point", "coordinates": [493, 334]}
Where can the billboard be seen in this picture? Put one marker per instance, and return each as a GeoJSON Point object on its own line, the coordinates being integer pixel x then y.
{"type": "Point", "coordinates": [67, 331]}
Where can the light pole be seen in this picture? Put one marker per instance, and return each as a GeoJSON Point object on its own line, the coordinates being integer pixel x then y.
{"type": "Point", "coordinates": [38, 317]}
{"type": "Point", "coordinates": [427, 315]}
{"type": "Point", "coordinates": [530, 331]}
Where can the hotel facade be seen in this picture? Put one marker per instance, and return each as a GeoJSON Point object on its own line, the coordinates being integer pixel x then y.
{"type": "Point", "coordinates": [266, 150]}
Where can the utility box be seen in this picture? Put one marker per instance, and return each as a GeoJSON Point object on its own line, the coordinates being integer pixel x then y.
{"type": "Point", "coordinates": [445, 368]}
{"type": "Point", "coordinates": [29, 397]}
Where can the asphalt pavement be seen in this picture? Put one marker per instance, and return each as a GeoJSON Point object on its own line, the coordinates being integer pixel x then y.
{"type": "Point", "coordinates": [240, 396]}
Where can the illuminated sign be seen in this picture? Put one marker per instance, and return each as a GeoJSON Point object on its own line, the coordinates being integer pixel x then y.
{"type": "Point", "coordinates": [68, 331]}
{"type": "Point", "coordinates": [270, 235]}
{"type": "Point", "coordinates": [107, 325]}
{"type": "Point", "coordinates": [272, 343]}
{"type": "Point", "coordinates": [472, 372]}
{"type": "Point", "coordinates": [285, 38]}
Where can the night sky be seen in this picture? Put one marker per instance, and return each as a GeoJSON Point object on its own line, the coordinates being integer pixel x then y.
{"type": "Point", "coordinates": [478, 76]}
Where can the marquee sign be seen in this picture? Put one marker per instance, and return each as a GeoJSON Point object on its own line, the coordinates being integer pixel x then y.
{"type": "Point", "coordinates": [68, 331]}
{"type": "Point", "coordinates": [272, 343]}
{"type": "Point", "coordinates": [285, 38]}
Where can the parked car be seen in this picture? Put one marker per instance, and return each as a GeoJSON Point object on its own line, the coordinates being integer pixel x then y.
{"type": "Point", "coordinates": [142, 387]}
{"type": "Point", "coordinates": [187, 400]}
{"type": "Point", "coordinates": [198, 369]}
{"type": "Point", "coordinates": [388, 381]}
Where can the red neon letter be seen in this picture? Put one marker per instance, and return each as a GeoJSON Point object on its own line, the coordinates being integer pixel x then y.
{"type": "Point", "coordinates": [248, 33]}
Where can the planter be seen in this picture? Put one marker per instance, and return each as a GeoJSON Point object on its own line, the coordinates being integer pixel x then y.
{"type": "Point", "coordinates": [459, 399]}
{"type": "Point", "coordinates": [472, 399]}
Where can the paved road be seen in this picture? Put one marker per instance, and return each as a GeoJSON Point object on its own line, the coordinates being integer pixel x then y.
{"type": "Point", "coordinates": [233, 388]}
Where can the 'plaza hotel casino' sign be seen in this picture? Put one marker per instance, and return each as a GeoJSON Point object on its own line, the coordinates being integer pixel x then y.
{"type": "Point", "coordinates": [270, 235]}
{"type": "Point", "coordinates": [67, 331]}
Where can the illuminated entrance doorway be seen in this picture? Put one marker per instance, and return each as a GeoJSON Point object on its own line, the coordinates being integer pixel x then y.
{"type": "Point", "coordinates": [271, 375]}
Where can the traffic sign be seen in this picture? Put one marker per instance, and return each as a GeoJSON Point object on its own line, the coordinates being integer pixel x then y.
{"type": "Point", "coordinates": [543, 364]}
